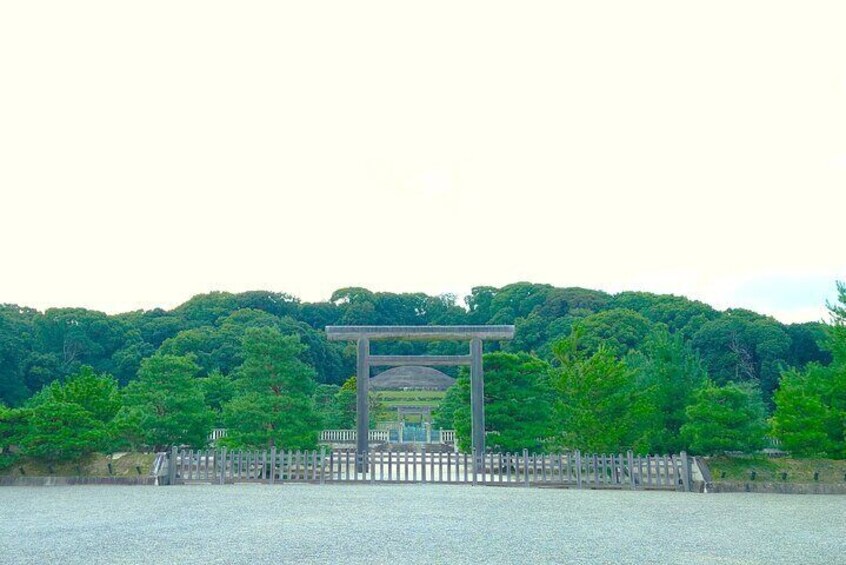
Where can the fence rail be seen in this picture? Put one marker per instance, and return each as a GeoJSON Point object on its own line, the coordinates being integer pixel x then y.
{"type": "Point", "coordinates": [349, 436]}
{"type": "Point", "coordinates": [571, 470]}
{"type": "Point", "coordinates": [394, 435]}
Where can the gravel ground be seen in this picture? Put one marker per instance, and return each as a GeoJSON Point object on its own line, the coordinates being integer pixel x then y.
{"type": "Point", "coordinates": [413, 524]}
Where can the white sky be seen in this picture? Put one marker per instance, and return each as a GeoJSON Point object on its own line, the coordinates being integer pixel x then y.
{"type": "Point", "coordinates": [153, 150]}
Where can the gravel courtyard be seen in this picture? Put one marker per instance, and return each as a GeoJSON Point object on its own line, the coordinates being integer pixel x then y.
{"type": "Point", "coordinates": [412, 524]}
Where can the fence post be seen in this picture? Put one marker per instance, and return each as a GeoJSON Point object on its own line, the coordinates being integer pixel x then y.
{"type": "Point", "coordinates": [686, 476]}
{"type": "Point", "coordinates": [475, 464]}
{"type": "Point", "coordinates": [525, 467]}
{"type": "Point", "coordinates": [423, 460]}
{"type": "Point", "coordinates": [222, 465]}
{"type": "Point", "coordinates": [630, 457]}
{"type": "Point", "coordinates": [171, 466]}
{"type": "Point", "coordinates": [322, 463]}
{"type": "Point", "coordinates": [272, 464]}
{"type": "Point", "coordinates": [579, 468]}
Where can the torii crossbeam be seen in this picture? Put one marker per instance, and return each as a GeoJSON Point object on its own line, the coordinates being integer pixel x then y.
{"type": "Point", "coordinates": [475, 334]}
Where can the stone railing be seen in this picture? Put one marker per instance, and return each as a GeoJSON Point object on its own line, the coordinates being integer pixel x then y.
{"type": "Point", "coordinates": [349, 436]}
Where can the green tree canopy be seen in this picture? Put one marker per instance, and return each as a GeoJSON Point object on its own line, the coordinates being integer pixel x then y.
{"type": "Point", "coordinates": [804, 419]}
{"type": "Point", "coordinates": [725, 418]}
{"type": "Point", "coordinates": [13, 425]}
{"type": "Point", "coordinates": [275, 404]}
{"type": "Point", "coordinates": [667, 372]}
{"type": "Point", "coordinates": [167, 403]}
{"type": "Point", "coordinates": [517, 403]}
{"type": "Point", "coordinates": [70, 420]}
{"type": "Point", "coordinates": [62, 431]}
{"type": "Point", "coordinates": [744, 346]}
{"type": "Point", "coordinates": [810, 414]}
{"type": "Point", "coordinates": [618, 331]}
{"type": "Point", "coordinates": [596, 400]}
{"type": "Point", "coordinates": [218, 389]}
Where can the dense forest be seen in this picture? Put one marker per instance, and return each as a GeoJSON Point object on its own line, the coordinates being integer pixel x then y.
{"type": "Point", "coordinates": [587, 370]}
{"type": "Point", "coordinates": [37, 348]}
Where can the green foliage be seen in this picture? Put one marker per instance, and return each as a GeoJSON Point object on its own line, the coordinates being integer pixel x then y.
{"type": "Point", "coordinates": [804, 419]}
{"type": "Point", "coordinates": [444, 415]}
{"type": "Point", "coordinates": [324, 403]}
{"type": "Point", "coordinates": [338, 405]}
{"type": "Point", "coordinates": [96, 394]}
{"type": "Point", "coordinates": [617, 330]}
{"type": "Point", "coordinates": [667, 372]}
{"type": "Point", "coordinates": [725, 418]}
{"type": "Point", "coordinates": [517, 403]}
{"type": "Point", "coordinates": [596, 399]}
{"type": "Point", "coordinates": [275, 405]}
{"type": "Point", "coordinates": [66, 421]}
{"type": "Point", "coordinates": [38, 348]}
{"type": "Point", "coordinates": [62, 431]}
{"type": "Point", "coordinates": [744, 346]}
{"type": "Point", "coordinates": [167, 403]}
{"type": "Point", "coordinates": [15, 347]}
{"type": "Point", "coordinates": [807, 344]}
{"type": "Point", "coordinates": [218, 347]}
{"type": "Point", "coordinates": [13, 425]}
{"type": "Point", "coordinates": [810, 414]}
{"type": "Point", "coordinates": [658, 337]}
{"type": "Point", "coordinates": [677, 313]}
{"type": "Point", "coordinates": [345, 405]}
{"type": "Point", "coordinates": [218, 389]}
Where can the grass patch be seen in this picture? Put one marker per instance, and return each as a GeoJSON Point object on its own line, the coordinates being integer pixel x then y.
{"type": "Point", "coordinates": [393, 403]}
{"type": "Point", "coordinates": [424, 398]}
{"type": "Point", "coordinates": [829, 471]}
{"type": "Point", "coordinates": [411, 395]}
{"type": "Point", "coordinates": [96, 465]}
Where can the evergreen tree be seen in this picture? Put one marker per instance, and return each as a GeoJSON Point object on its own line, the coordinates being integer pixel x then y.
{"type": "Point", "coordinates": [810, 414]}
{"type": "Point", "coordinates": [596, 400]}
{"type": "Point", "coordinates": [275, 404]}
{"type": "Point", "coordinates": [63, 431]}
{"type": "Point", "coordinates": [667, 372]}
{"type": "Point", "coordinates": [726, 418]}
{"type": "Point", "coordinates": [13, 423]}
{"type": "Point", "coordinates": [70, 420]}
{"type": "Point", "coordinates": [444, 416]}
{"type": "Point", "coordinates": [218, 389]}
{"type": "Point", "coordinates": [802, 419]}
{"type": "Point", "coordinates": [518, 403]}
{"type": "Point", "coordinates": [167, 403]}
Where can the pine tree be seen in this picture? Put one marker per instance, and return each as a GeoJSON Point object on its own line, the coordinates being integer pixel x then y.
{"type": "Point", "coordinates": [275, 405]}
{"type": "Point", "coordinates": [725, 418]}
{"type": "Point", "coordinates": [167, 403]}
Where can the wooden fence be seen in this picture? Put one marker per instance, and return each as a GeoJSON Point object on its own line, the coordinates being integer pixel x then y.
{"type": "Point", "coordinates": [570, 470]}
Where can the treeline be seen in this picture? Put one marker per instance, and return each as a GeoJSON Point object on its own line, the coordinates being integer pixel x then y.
{"type": "Point", "coordinates": [659, 397]}
{"type": "Point", "coordinates": [37, 348]}
{"type": "Point", "coordinates": [270, 399]}
{"type": "Point", "coordinates": [586, 370]}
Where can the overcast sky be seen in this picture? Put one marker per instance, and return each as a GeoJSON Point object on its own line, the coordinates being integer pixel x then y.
{"type": "Point", "coordinates": [150, 151]}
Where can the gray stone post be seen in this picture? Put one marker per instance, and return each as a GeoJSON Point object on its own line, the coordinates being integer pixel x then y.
{"type": "Point", "coordinates": [630, 459]}
{"type": "Point", "coordinates": [687, 477]}
{"type": "Point", "coordinates": [171, 466]}
{"type": "Point", "coordinates": [477, 397]}
{"type": "Point", "coordinates": [362, 390]}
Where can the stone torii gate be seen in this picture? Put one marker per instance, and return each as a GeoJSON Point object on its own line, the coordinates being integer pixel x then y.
{"type": "Point", "coordinates": [475, 334]}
